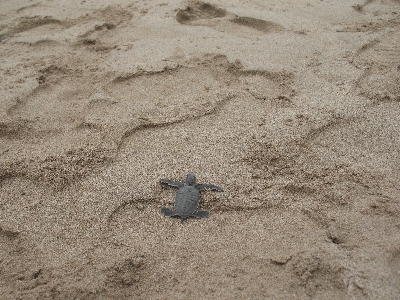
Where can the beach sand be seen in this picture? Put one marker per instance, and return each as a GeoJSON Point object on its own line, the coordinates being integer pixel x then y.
{"type": "Point", "coordinates": [292, 107]}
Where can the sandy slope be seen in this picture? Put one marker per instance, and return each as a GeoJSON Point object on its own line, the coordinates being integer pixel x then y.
{"type": "Point", "coordinates": [291, 106]}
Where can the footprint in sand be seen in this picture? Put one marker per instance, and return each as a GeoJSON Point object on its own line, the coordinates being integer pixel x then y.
{"type": "Point", "coordinates": [204, 14]}
{"type": "Point", "coordinates": [381, 61]}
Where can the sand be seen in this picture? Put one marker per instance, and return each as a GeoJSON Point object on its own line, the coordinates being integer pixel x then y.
{"type": "Point", "coordinates": [292, 107]}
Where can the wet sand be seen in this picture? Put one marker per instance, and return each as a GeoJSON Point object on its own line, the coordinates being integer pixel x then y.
{"type": "Point", "coordinates": [292, 107]}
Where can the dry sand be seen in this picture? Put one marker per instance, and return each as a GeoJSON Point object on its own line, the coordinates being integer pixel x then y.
{"type": "Point", "coordinates": [292, 107]}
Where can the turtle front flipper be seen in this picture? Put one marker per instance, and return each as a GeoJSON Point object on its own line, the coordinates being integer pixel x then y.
{"type": "Point", "coordinates": [172, 183]}
{"type": "Point", "coordinates": [202, 187]}
{"type": "Point", "coordinates": [201, 214]}
{"type": "Point", "coordinates": [167, 212]}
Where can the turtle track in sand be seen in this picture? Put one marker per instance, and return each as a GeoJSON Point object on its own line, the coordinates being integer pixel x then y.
{"type": "Point", "coordinates": [85, 118]}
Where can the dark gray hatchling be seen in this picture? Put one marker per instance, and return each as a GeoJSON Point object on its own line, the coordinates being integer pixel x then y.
{"type": "Point", "coordinates": [188, 198]}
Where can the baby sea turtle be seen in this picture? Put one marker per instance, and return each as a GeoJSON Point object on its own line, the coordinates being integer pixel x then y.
{"type": "Point", "coordinates": [188, 198]}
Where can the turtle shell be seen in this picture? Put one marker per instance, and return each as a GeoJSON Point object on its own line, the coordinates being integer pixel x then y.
{"type": "Point", "coordinates": [186, 201]}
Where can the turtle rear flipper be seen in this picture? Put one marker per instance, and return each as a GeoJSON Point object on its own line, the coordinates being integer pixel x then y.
{"type": "Point", "coordinates": [167, 212]}
{"type": "Point", "coordinates": [172, 183]}
{"type": "Point", "coordinates": [201, 214]}
{"type": "Point", "coordinates": [201, 187]}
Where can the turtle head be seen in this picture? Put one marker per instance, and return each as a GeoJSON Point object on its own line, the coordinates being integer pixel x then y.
{"type": "Point", "coordinates": [191, 179]}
